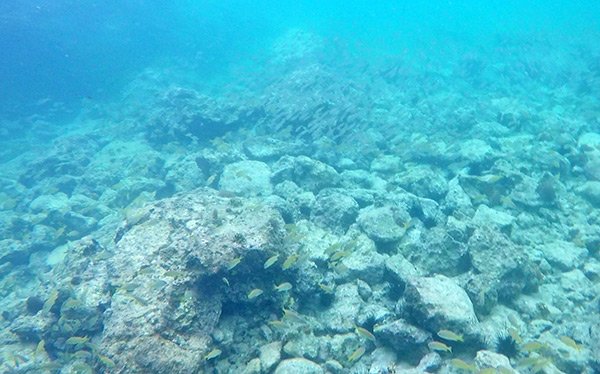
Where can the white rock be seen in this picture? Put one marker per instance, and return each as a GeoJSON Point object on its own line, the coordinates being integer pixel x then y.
{"type": "Point", "coordinates": [270, 354]}
{"type": "Point", "coordinates": [564, 255]}
{"type": "Point", "coordinates": [298, 366]}
{"type": "Point", "coordinates": [440, 303]}
{"type": "Point", "coordinates": [247, 178]}
{"type": "Point", "coordinates": [488, 216]}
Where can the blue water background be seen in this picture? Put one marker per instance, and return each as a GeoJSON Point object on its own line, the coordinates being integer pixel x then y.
{"type": "Point", "coordinates": [68, 51]}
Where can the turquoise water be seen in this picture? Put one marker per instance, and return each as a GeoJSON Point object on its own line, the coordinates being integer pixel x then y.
{"type": "Point", "coordinates": [299, 187]}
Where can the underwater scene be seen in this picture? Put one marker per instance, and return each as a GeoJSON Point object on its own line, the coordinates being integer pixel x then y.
{"type": "Point", "coordinates": [300, 187]}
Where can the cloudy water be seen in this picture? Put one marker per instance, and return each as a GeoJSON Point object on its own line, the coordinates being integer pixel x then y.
{"type": "Point", "coordinates": [299, 186]}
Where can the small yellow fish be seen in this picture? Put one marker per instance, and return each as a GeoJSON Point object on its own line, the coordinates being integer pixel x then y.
{"type": "Point", "coordinates": [529, 361]}
{"type": "Point", "coordinates": [146, 270]}
{"type": "Point", "coordinates": [326, 288]}
{"type": "Point", "coordinates": [570, 342]}
{"type": "Point", "coordinates": [292, 315]}
{"type": "Point", "coordinates": [213, 354]}
{"type": "Point", "coordinates": [533, 346]}
{"type": "Point", "coordinates": [361, 331]}
{"type": "Point", "coordinates": [333, 248]}
{"type": "Point", "coordinates": [290, 261]}
{"type": "Point", "coordinates": [254, 293]}
{"type": "Point", "coordinates": [74, 340]}
{"type": "Point", "coordinates": [83, 355]}
{"type": "Point", "coordinates": [340, 268]}
{"type": "Point", "coordinates": [211, 179]}
{"type": "Point", "coordinates": [283, 287]}
{"type": "Point", "coordinates": [460, 364]}
{"type": "Point", "coordinates": [277, 323]}
{"type": "Point", "coordinates": [357, 354]}
{"type": "Point", "coordinates": [139, 300]}
{"type": "Point", "coordinates": [187, 297]}
{"type": "Point", "coordinates": [50, 301]}
{"type": "Point", "coordinates": [233, 263]}
{"type": "Point", "coordinates": [541, 364]}
{"type": "Point", "coordinates": [508, 202]}
{"type": "Point", "coordinates": [60, 232]}
{"type": "Point", "coordinates": [157, 284]}
{"type": "Point", "coordinates": [80, 367]}
{"type": "Point", "coordinates": [93, 347]}
{"type": "Point", "coordinates": [439, 346]}
{"type": "Point", "coordinates": [515, 335]}
{"type": "Point", "coordinates": [487, 371]}
{"type": "Point", "coordinates": [408, 224]}
{"type": "Point", "coordinates": [41, 348]}
{"type": "Point", "coordinates": [338, 255]}
{"type": "Point", "coordinates": [106, 361]}
{"type": "Point", "coordinates": [270, 261]}
{"type": "Point", "coordinates": [450, 335]}
{"type": "Point", "coordinates": [129, 287]}
{"type": "Point", "coordinates": [175, 274]}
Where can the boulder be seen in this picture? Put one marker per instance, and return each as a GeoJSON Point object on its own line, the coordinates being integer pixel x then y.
{"type": "Point", "coordinates": [270, 354]}
{"type": "Point", "coordinates": [438, 302]}
{"type": "Point", "coordinates": [247, 178]}
{"type": "Point", "coordinates": [157, 287]}
{"type": "Point", "coordinates": [591, 192]}
{"type": "Point", "coordinates": [334, 210]}
{"type": "Point", "coordinates": [564, 255]}
{"type": "Point", "coordinates": [383, 224]}
{"type": "Point", "coordinates": [298, 366]}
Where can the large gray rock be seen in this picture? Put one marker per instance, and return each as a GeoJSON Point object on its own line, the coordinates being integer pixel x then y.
{"type": "Point", "coordinates": [435, 251]}
{"type": "Point", "coordinates": [301, 200]}
{"type": "Point", "coordinates": [383, 225]}
{"type": "Point", "coordinates": [247, 178]}
{"type": "Point", "coordinates": [476, 152]}
{"type": "Point", "coordinates": [403, 336]}
{"type": "Point", "coordinates": [386, 164]}
{"type": "Point", "coordinates": [564, 255]}
{"type": "Point", "coordinates": [502, 271]}
{"type": "Point", "coordinates": [196, 236]}
{"type": "Point", "coordinates": [589, 141]}
{"type": "Point", "coordinates": [184, 174]}
{"type": "Point", "coordinates": [341, 315]}
{"type": "Point", "coordinates": [362, 179]}
{"type": "Point", "coordinates": [298, 366]}
{"type": "Point", "coordinates": [592, 167]}
{"type": "Point", "coordinates": [56, 204]}
{"type": "Point", "coordinates": [310, 174]}
{"type": "Point", "coordinates": [400, 270]}
{"type": "Point", "coordinates": [335, 210]}
{"type": "Point", "coordinates": [253, 367]}
{"type": "Point", "coordinates": [486, 216]}
{"type": "Point", "coordinates": [14, 251]}
{"type": "Point", "coordinates": [591, 191]}
{"type": "Point", "coordinates": [270, 149]}
{"type": "Point", "coordinates": [69, 156]}
{"type": "Point", "coordinates": [185, 115]}
{"type": "Point", "coordinates": [128, 189]}
{"type": "Point", "coordinates": [488, 359]}
{"type": "Point", "coordinates": [439, 303]}
{"type": "Point", "coordinates": [303, 345]}
{"type": "Point", "coordinates": [270, 354]}
{"type": "Point", "coordinates": [457, 201]}
{"type": "Point", "coordinates": [383, 358]}
{"type": "Point", "coordinates": [363, 261]}
{"type": "Point", "coordinates": [423, 181]}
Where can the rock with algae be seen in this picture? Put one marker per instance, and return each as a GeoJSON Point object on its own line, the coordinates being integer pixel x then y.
{"type": "Point", "coordinates": [149, 301]}
{"type": "Point", "coordinates": [172, 255]}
